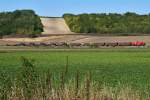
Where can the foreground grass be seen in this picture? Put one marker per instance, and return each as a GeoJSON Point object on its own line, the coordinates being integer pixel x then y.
{"type": "Point", "coordinates": [115, 74]}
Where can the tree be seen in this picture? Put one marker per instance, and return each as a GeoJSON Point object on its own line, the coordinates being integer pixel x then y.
{"type": "Point", "coordinates": [108, 23]}
{"type": "Point", "coordinates": [23, 22]}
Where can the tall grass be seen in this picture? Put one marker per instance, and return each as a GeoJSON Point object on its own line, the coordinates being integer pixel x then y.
{"type": "Point", "coordinates": [29, 84]}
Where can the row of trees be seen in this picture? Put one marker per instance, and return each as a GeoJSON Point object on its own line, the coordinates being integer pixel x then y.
{"type": "Point", "coordinates": [108, 23]}
{"type": "Point", "coordinates": [24, 22]}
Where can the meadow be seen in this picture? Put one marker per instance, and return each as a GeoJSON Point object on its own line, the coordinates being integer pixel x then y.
{"type": "Point", "coordinates": [114, 70]}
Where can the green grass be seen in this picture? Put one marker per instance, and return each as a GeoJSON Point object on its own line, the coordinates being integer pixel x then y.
{"type": "Point", "coordinates": [109, 67]}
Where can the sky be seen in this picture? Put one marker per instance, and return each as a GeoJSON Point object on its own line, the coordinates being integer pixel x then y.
{"type": "Point", "coordinates": [56, 8]}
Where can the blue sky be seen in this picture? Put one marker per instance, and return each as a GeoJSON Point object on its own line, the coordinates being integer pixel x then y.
{"type": "Point", "coordinates": [59, 7]}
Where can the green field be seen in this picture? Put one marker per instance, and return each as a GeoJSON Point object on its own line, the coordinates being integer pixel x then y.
{"type": "Point", "coordinates": [109, 67]}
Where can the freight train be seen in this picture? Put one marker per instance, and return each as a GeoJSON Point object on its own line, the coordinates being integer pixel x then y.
{"type": "Point", "coordinates": [93, 45]}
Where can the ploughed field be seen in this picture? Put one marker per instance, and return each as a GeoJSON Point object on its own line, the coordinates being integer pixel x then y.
{"type": "Point", "coordinates": [112, 68]}
{"type": "Point", "coordinates": [77, 39]}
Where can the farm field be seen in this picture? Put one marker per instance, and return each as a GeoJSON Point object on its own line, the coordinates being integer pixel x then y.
{"type": "Point", "coordinates": [123, 70]}
{"type": "Point", "coordinates": [112, 67]}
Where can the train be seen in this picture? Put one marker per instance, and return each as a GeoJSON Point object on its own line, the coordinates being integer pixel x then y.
{"type": "Point", "coordinates": [93, 45]}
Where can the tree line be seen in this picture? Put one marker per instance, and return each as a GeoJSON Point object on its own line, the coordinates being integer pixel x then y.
{"type": "Point", "coordinates": [24, 22]}
{"type": "Point", "coordinates": [108, 23]}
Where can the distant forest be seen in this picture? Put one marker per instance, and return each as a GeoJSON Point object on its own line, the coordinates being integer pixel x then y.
{"type": "Point", "coordinates": [108, 23]}
{"type": "Point", "coordinates": [24, 22]}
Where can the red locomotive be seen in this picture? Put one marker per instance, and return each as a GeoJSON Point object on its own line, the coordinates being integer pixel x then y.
{"type": "Point", "coordinates": [138, 43]}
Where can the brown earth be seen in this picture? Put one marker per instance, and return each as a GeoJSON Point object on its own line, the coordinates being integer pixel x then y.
{"type": "Point", "coordinates": [79, 39]}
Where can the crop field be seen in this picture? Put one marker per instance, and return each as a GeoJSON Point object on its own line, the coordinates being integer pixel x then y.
{"type": "Point", "coordinates": [129, 68]}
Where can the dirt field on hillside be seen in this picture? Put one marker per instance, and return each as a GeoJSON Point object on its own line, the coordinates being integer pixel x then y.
{"type": "Point", "coordinates": [55, 26]}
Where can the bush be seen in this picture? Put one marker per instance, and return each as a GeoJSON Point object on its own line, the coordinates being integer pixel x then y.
{"type": "Point", "coordinates": [24, 22]}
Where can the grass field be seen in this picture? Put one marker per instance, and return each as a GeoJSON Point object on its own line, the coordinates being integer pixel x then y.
{"type": "Point", "coordinates": [112, 68]}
